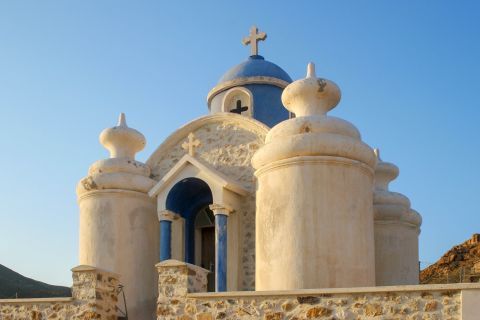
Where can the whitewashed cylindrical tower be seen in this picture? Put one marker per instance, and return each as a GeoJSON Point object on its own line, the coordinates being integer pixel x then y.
{"type": "Point", "coordinates": [397, 227]}
{"type": "Point", "coordinates": [118, 220]}
{"type": "Point", "coordinates": [314, 215]}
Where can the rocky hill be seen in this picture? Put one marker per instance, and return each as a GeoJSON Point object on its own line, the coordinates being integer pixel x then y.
{"type": "Point", "coordinates": [459, 264]}
{"type": "Point", "coordinates": [14, 285]}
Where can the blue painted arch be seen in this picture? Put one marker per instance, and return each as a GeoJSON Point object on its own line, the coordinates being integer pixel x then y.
{"type": "Point", "coordinates": [186, 198]}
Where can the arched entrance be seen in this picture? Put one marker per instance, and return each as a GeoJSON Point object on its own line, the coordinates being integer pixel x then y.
{"type": "Point", "coordinates": [190, 198]}
{"type": "Point", "coordinates": [190, 188]}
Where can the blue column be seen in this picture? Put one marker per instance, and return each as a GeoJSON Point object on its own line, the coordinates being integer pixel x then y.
{"type": "Point", "coordinates": [220, 251]}
{"type": "Point", "coordinates": [165, 240]}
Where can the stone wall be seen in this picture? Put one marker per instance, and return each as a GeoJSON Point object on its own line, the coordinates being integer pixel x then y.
{"type": "Point", "coordinates": [94, 296]}
{"type": "Point", "coordinates": [181, 297]}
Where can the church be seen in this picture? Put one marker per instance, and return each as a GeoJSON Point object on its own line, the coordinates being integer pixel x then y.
{"type": "Point", "coordinates": [266, 208]}
{"type": "Point", "coordinates": [266, 192]}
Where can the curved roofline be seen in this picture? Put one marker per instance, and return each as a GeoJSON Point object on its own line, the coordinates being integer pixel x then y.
{"type": "Point", "coordinates": [255, 66]}
{"type": "Point", "coordinates": [182, 132]}
{"type": "Point", "coordinates": [243, 81]}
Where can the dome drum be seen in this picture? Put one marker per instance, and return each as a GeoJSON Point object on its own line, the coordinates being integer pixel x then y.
{"type": "Point", "coordinates": [262, 83]}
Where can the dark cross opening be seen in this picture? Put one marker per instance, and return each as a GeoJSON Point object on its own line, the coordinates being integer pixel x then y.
{"type": "Point", "coordinates": [239, 109]}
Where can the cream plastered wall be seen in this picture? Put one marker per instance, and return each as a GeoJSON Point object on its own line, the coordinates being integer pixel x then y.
{"type": "Point", "coordinates": [315, 231]}
{"type": "Point", "coordinates": [228, 142]}
{"type": "Point", "coordinates": [396, 245]}
{"type": "Point", "coordinates": [130, 247]}
{"type": "Point", "coordinates": [118, 222]}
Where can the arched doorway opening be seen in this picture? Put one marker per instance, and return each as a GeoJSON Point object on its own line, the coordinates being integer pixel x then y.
{"type": "Point", "coordinates": [205, 243]}
{"type": "Point", "coordinates": [190, 198]}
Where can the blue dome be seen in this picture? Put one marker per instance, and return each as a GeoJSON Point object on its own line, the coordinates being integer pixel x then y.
{"type": "Point", "coordinates": [255, 66]}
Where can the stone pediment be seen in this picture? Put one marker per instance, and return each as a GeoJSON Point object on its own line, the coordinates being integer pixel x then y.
{"type": "Point", "coordinates": [228, 142]}
{"type": "Point", "coordinates": [189, 166]}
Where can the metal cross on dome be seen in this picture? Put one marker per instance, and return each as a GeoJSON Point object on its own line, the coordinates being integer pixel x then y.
{"type": "Point", "coordinates": [253, 39]}
{"type": "Point", "coordinates": [191, 144]}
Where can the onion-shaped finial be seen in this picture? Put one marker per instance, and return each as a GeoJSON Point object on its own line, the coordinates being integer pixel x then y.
{"type": "Point", "coordinates": [122, 141]}
{"type": "Point", "coordinates": [312, 95]}
{"type": "Point", "coordinates": [385, 172]}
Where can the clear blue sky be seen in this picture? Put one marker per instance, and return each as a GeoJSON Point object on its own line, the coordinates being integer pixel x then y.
{"type": "Point", "coordinates": [408, 70]}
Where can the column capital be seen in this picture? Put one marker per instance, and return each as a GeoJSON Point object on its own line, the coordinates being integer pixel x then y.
{"type": "Point", "coordinates": [167, 215]}
{"type": "Point", "coordinates": [221, 209]}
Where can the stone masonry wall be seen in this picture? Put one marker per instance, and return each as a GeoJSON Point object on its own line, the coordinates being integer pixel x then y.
{"type": "Point", "coordinates": [358, 306]}
{"type": "Point", "coordinates": [180, 285]}
{"type": "Point", "coordinates": [93, 297]}
{"type": "Point", "coordinates": [175, 280]}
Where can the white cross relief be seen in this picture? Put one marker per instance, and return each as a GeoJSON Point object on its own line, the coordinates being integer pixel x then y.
{"type": "Point", "coordinates": [191, 144]}
{"type": "Point", "coordinates": [253, 39]}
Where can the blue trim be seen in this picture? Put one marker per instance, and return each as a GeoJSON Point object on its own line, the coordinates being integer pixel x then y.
{"type": "Point", "coordinates": [165, 240]}
{"type": "Point", "coordinates": [220, 253]}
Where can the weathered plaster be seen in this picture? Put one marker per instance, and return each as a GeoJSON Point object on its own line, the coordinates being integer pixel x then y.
{"type": "Point", "coordinates": [314, 201]}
